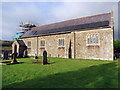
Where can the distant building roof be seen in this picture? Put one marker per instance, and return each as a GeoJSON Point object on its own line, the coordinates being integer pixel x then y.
{"type": "Point", "coordinates": [99, 20]}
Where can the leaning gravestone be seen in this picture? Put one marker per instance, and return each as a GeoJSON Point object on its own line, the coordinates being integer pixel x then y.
{"type": "Point", "coordinates": [5, 55]}
{"type": "Point", "coordinates": [45, 57]}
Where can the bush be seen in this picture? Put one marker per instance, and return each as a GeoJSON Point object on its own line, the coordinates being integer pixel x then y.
{"type": "Point", "coordinates": [117, 46]}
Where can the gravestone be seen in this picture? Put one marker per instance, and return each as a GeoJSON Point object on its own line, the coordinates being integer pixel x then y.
{"type": "Point", "coordinates": [36, 57]}
{"type": "Point", "coordinates": [45, 57]}
{"type": "Point", "coordinates": [5, 55]}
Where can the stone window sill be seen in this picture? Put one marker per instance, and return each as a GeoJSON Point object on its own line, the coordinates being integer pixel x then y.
{"type": "Point", "coordinates": [61, 47]}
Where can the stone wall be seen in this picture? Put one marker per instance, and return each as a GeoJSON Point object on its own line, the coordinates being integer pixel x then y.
{"type": "Point", "coordinates": [51, 45]}
{"type": "Point", "coordinates": [32, 50]}
{"type": "Point", "coordinates": [19, 49]}
{"type": "Point", "coordinates": [79, 47]}
{"type": "Point", "coordinates": [102, 51]}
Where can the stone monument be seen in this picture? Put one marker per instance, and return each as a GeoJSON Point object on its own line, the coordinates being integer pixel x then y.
{"type": "Point", "coordinates": [5, 55]}
{"type": "Point", "coordinates": [45, 57]}
{"type": "Point", "coordinates": [14, 57]}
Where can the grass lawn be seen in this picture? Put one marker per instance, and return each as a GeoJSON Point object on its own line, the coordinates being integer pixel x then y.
{"type": "Point", "coordinates": [61, 73]}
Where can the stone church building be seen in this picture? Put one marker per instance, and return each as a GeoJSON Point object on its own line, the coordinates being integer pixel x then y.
{"type": "Point", "coordinates": [88, 37]}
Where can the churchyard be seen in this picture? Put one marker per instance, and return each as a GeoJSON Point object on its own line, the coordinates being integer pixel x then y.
{"type": "Point", "coordinates": [60, 73]}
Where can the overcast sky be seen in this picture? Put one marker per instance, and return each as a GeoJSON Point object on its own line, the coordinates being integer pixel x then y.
{"type": "Point", "coordinates": [41, 13]}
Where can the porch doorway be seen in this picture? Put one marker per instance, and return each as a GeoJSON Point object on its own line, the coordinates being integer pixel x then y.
{"type": "Point", "coordinates": [15, 49]}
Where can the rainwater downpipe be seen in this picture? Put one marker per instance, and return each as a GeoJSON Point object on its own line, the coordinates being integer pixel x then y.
{"type": "Point", "coordinates": [37, 45]}
{"type": "Point", "coordinates": [74, 46]}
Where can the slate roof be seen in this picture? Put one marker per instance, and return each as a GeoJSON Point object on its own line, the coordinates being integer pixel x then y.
{"type": "Point", "coordinates": [84, 23]}
{"type": "Point", "coordinates": [21, 42]}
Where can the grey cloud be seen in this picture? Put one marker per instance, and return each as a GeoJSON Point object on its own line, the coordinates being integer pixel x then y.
{"type": "Point", "coordinates": [14, 13]}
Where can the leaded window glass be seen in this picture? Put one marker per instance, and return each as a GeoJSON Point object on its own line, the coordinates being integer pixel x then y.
{"type": "Point", "coordinates": [61, 42]}
{"type": "Point", "coordinates": [92, 39]}
{"type": "Point", "coordinates": [96, 38]}
{"type": "Point", "coordinates": [42, 43]}
{"type": "Point", "coordinates": [29, 43]}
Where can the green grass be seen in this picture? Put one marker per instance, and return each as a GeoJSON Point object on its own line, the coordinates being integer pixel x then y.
{"type": "Point", "coordinates": [61, 73]}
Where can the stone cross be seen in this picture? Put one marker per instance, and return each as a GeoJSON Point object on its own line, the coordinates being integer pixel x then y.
{"type": "Point", "coordinates": [14, 57]}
